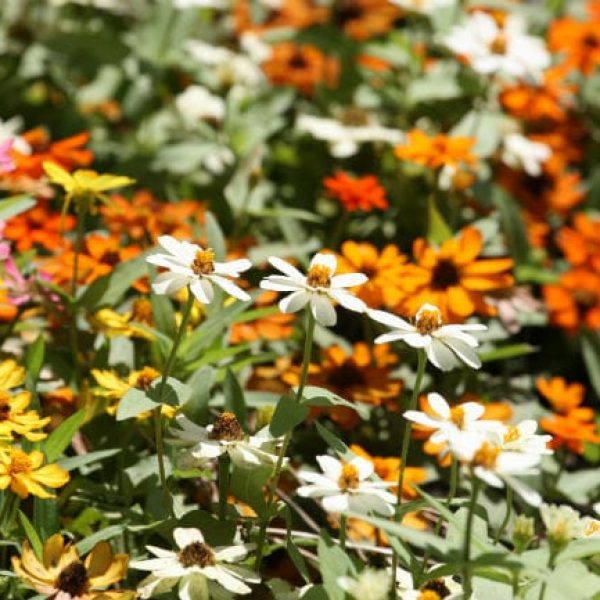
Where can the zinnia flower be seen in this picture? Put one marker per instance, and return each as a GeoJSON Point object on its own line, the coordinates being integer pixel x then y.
{"type": "Point", "coordinates": [318, 288]}
{"type": "Point", "coordinates": [356, 193]}
{"type": "Point", "coordinates": [16, 419]}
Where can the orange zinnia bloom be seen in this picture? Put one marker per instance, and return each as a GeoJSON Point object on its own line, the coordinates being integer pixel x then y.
{"type": "Point", "coordinates": [301, 66]}
{"type": "Point", "coordinates": [436, 151]}
{"type": "Point", "coordinates": [574, 300]}
{"type": "Point", "coordinates": [570, 432]}
{"type": "Point", "coordinates": [453, 278]}
{"type": "Point", "coordinates": [565, 398]}
{"type": "Point", "coordinates": [294, 14]}
{"type": "Point", "coordinates": [363, 19]}
{"type": "Point", "coordinates": [578, 41]}
{"type": "Point", "coordinates": [356, 193]}
{"type": "Point", "coordinates": [581, 243]}
{"type": "Point", "coordinates": [384, 270]}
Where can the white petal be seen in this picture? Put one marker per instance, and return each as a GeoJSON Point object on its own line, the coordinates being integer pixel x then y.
{"type": "Point", "coordinates": [440, 356]}
{"type": "Point", "coordinates": [421, 418]}
{"type": "Point", "coordinates": [348, 280]}
{"type": "Point", "coordinates": [169, 262]}
{"type": "Point", "coordinates": [233, 268]}
{"type": "Point", "coordinates": [322, 310]}
{"type": "Point", "coordinates": [279, 283]}
{"type": "Point", "coordinates": [416, 340]}
{"type": "Point", "coordinates": [168, 283]}
{"type": "Point", "coordinates": [464, 352]}
{"type": "Point", "coordinates": [386, 338]}
{"type": "Point", "coordinates": [348, 301]}
{"type": "Point", "coordinates": [331, 467]}
{"type": "Point", "coordinates": [294, 302]}
{"type": "Point", "coordinates": [231, 288]}
{"type": "Point", "coordinates": [184, 536]}
{"type": "Point", "coordinates": [226, 579]}
{"type": "Point", "coordinates": [439, 405]}
{"type": "Point", "coordinates": [327, 260]}
{"type": "Point", "coordinates": [367, 503]}
{"type": "Point", "coordinates": [193, 587]}
{"type": "Point", "coordinates": [336, 504]}
{"type": "Point", "coordinates": [199, 291]}
{"type": "Point", "coordinates": [286, 268]}
{"type": "Point", "coordinates": [231, 553]}
{"type": "Point", "coordinates": [154, 585]}
{"type": "Point", "coordinates": [393, 321]}
{"type": "Point", "coordinates": [364, 467]}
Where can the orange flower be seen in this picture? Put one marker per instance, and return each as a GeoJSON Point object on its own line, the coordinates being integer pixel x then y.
{"type": "Point", "coordinates": [384, 270]}
{"type": "Point", "coordinates": [570, 432]}
{"type": "Point", "coordinates": [356, 193]}
{"type": "Point", "coordinates": [363, 19]}
{"type": "Point", "coordinates": [363, 376]}
{"type": "Point", "coordinates": [581, 243]}
{"type": "Point", "coordinates": [294, 14]}
{"type": "Point", "coordinates": [453, 278]}
{"type": "Point", "coordinates": [301, 66]}
{"type": "Point", "coordinates": [578, 41]}
{"type": "Point", "coordinates": [565, 398]}
{"type": "Point", "coordinates": [574, 300]}
{"type": "Point", "coordinates": [436, 151]}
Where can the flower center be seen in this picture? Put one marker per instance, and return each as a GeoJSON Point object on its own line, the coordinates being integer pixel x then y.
{"type": "Point", "coordinates": [349, 11]}
{"type": "Point", "coordinates": [349, 479]}
{"type": "Point", "coordinates": [319, 276]}
{"type": "Point", "coordinates": [204, 262]}
{"type": "Point", "coordinates": [145, 378]}
{"type": "Point", "coordinates": [499, 44]}
{"type": "Point", "coordinates": [590, 41]}
{"type": "Point", "coordinates": [591, 528]}
{"type": "Point", "coordinates": [298, 61]}
{"type": "Point", "coordinates": [437, 587]}
{"type": "Point", "coordinates": [429, 595]}
{"type": "Point", "coordinates": [73, 579]}
{"type": "Point", "coordinates": [19, 462]}
{"type": "Point", "coordinates": [197, 554]}
{"type": "Point", "coordinates": [111, 257]}
{"type": "Point", "coordinates": [142, 311]}
{"type": "Point", "coordinates": [486, 456]}
{"type": "Point", "coordinates": [345, 376]}
{"type": "Point", "coordinates": [512, 434]}
{"type": "Point", "coordinates": [585, 299]}
{"type": "Point", "coordinates": [355, 116]}
{"type": "Point", "coordinates": [4, 405]}
{"type": "Point", "coordinates": [227, 428]}
{"type": "Point", "coordinates": [428, 321]}
{"type": "Point", "coordinates": [445, 274]}
{"type": "Point", "coordinates": [457, 416]}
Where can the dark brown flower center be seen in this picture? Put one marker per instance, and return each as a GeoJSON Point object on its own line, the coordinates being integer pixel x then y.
{"type": "Point", "coordinates": [438, 586]}
{"type": "Point", "coordinates": [197, 554]}
{"type": "Point", "coordinates": [73, 579]}
{"type": "Point", "coordinates": [227, 428]}
{"type": "Point", "coordinates": [145, 378]}
{"type": "Point", "coordinates": [349, 10]}
{"type": "Point", "coordinates": [585, 299]}
{"type": "Point", "coordinates": [204, 262]}
{"type": "Point", "coordinates": [445, 275]}
{"type": "Point", "coordinates": [345, 376]}
{"type": "Point", "coordinates": [142, 311]}
{"type": "Point", "coordinates": [4, 406]}
{"type": "Point", "coordinates": [111, 257]}
{"type": "Point", "coordinates": [298, 61]}
{"type": "Point", "coordinates": [591, 41]}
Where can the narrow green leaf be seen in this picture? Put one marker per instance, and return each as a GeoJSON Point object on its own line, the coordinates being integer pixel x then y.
{"type": "Point", "coordinates": [590, 349]}
{"type": "Point", "coordinates": [234, 398]}
{"type": "Point", "coordinates": [507, 352]}
{"type": "Point", "coordinates": [333, 564]}
{"type": "Point", "coordinates": [32, 535]}
{"type": "Point", "coordinates": [85, 545]}
{"type": "Point", "coordinates": [288, 413]}
{"type": "Point", "coordinates": [34, 357]}
{"type": "Point", "coordinates": [14, 206]}
{"type": "Point", "coordinates": [334, 442]}
{"type": "Point", "coordinates": [297, 558]}
{"type": "Point", "coordinates": [61, 437]}
{"type": "Point", "coordinates": [214, 233]}
{"type": "Point", "coordinates": [75, 462]}
{"type": "Point", "coordinates": [438, 230]}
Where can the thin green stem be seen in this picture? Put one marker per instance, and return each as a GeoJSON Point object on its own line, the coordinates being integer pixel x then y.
{"type": "Point", "coordinates": [224, 462]}
{"type": "Point", "coordinates": [509, 503]}
{"type": "Point", "coordinates": [551, 560]}
{"type": "Point", "coordinates": [421, 364]}
{"type": "Point", "coordinates": [308, 342]}
{"type": "Point", "coordinates": [343, 532]}
{"type": "Point", "coordinates": [467, 583]}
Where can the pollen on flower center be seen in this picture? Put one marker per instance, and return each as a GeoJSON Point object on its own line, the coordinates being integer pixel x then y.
{"type": "Point", "coordinates": [429, 595]}
{"type": "Point", "coordinates": [197, 554]}
{"type": "Point", "coordinates": [73, 579]}
{"type": "Point", "coordinates": [438, 587]}
{"type": "Point", "coordinates": [19, 462]}
{"type": "Point", "coordinates": [349, 479]}
{"type": "Point", "coordinates": [457, 416]}
{"type": "Point", "coordinates": [428, 321]}
{"type": "Point", "coordinates": [499, 44]}
{"type": "Point", "coordinates": [227, 428]}
{"type": "Point", "coordinates": [145, 378]}
{"type": "Point", "coordinates": [204, 262]}
{"type": "Point", "coordinates": [319, 276]}
{"type": "Point", "coordinates": [4, 405]}
{"type": "Point", "coordinates": [512, 434]}
{"type": "Point", "coordinates": [486, 456]}
{"type": "Point", "coordinates": [354, 116]}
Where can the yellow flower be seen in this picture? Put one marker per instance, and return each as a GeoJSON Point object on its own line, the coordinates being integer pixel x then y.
{"type": "Point", "coordinates": [113, 388]}
{"type": "Point", "coordinates": [25, 475]}
{"type": "Point", "coordinates": [62, 574]}
{"type": "Point", "coordinates": [11, 375]}
{"type": "Point", "coordinates": [115, 324]}
{"type": "Point", "coordinates": [14, 418]}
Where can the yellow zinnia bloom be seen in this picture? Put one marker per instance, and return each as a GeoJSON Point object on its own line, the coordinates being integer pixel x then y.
{"type": "Point", "coordinates": [14, 418]}
{"type": "Point", "coordinates": [25, 475]}
{"type": "Point", "coordinates": [114, 324]}
{"type": "Point", "coordinates": [113, 388]}
{"type": "Point", "coordinates": [62, 574]}
{"type": "Point", "coordinates": [12, 375]}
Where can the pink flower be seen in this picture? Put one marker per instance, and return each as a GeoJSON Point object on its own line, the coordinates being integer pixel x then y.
{"type": "Point", "coordinates": [6, 162]}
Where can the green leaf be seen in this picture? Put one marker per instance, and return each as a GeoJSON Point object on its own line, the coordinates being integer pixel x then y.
{"type": "Point", "coordinates": [507, 352]}
{"type": "Point", "coordinates": [247, 485]}
{"type": "Point", "coordinates": [175, 393]}
{"type": "Point", "coordinates": [164, 315]}
{"type": "Point", "coordinates": [34, 357]}
{"type": "Point", "coordinates": [234, 397]}
{"type": "Point", "coordinates": [590, 348]}
{"type": "Point", "coordinates": [313, 395]}
{"type": "Point", "coordinates": [334, 442]}
{"type": "Point", "coordinates": [61, 437]}
{"type": "Point", "coordinates": [512, 224]}
{"type": "Point", "coordinates": [85, 545]}
{"type": "Point", "coordinates": [75, 462]}
{"type": "Point", "coordinates": [32, 535]}
{"type": "Point", "coordinates": [333, 564]}
{"type": "Point", "coordinates": [288, 413]}
{"type": "Point", "coordinates": [214, 233]}
{"type": "Point", "coordinates": [14, 206]}
{"type": "Point", "coordinates": [133, 403]}
{"type": "Point", "coordinates": [438, 230]}
{"type": "Point", "coordinates": [297, 558]}
{"type": "Point", "coordinates": [201, 383]}
{"type": "Point", "coordinates": [45, 517]}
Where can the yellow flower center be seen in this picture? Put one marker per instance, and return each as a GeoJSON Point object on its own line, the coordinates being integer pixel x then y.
{"type": "Point", "coordinates": [435, 589]}
{"type": "Point", "coordinates": [512, 434]}
{"type": "Point", "coordinates": [457, 416]}
{"type": "Point", "coordinates": [591, 528]}
{"type": "Point", "coordinates": [227, 428]}
{"type": "Point", "coordinates": [19, 462]}
{"type": "Point", "coordinates": [142, 311]}
{"type": "Point", "coordinates": [4, 405]}
{"type": "Point", "coordinates": [486, 456]}
{"type": "Point", "coordinates": [197, 554]}
{"type": "Point", "coordinates": [499, 44]}
{"type": "Point", "coordinates": [428, 321]}
{"type": "Point", "coordinates": [349, 479]}
{"type": "Point", "coordinates": [319, 276]}
{"type": "Point", "coordinates": [73, 579]}
{"type": "Point", "coordinates": [204, 262]}
{"type": "Point", "coordinates": [429, 595]}
{"type": "Point", "coordinates": [145, 377]}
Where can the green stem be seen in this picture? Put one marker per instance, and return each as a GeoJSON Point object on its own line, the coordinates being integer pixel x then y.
{"type": "Point", "coordinates": [343, 532]}
{"type": "Point", "coordinates": [509, 503]}
{"type": "Point", "coordinates": [308, 342]}
{"type": "Point", "coordinates": [224, 462]}
{"type": "Point", "coordinates": [161, 391]}
{"type": "Point", "coordinates": [551, 560]}
{"type": "Point", "coordinates": [467, 583]}
{"type": "Point", "coordinates": [421, 364]}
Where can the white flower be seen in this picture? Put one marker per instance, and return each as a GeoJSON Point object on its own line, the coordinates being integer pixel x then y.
{"type": "Point", "coordinates": [190, 264]}
{"type": "Point", "coordinates": [346, 487]}
{"type": "Point", "coordinates": [369, 584]}
{"type": "Point", "coordinates": [445, 587]}
{"type": "Point", "coordinates": [522, 153]}
{"type": "Point", "coordinates": [344, 140]}
{"type": "Point", "coordinates": [522, 438]}
{"type": "Point", "coordinates": [446, 346]}
{"type": "Point", "coordinates": [196, 567]}
{"type": "Point", "coordinates": [184, 4]}
{"type": "Point", "coordinates": [590, 527]}
{"type": "Point", "coordinates": [219, 158]}
{"type": "Point", "coordinates": [492, 49]}
{"type": "Point", "coordinates": [225, 435]}
{"type": "Point", "coordinates": [562, 523]}
{"type": "Point", "coordinates": [8, 131]}
{"type": "Point", "coordinates": [446, 421]}
{"type": "Point", "coordinates": [319, 287]}
{"type": "Point", "coordinates": [426, 7]}
{"type": "Point", "coordinates": [196, 103]}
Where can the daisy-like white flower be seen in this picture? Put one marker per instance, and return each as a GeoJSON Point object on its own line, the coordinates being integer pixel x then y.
{"type": "Point", "coordinates": [190, 264]}
{"type": "Point", "coordinates": [520, 152]}
{"type": "Point", "coordinates": [492, 47]}
{"type": "Point", "coordinates": [319, 287]}
{"type": "Point", "coordinates": [562, 523]}
{"type": "Point", "coordinates": [196, 103]}
{"type": "Point", "coordinates": [447, 421]}
{"type": "Point", "coordinates": [523, 438]}
{"type": "Point", "coordinates": [225, 435]}
{"type": "Point", "coordinates": [443, 588]}
{"type": "Point", "coordinates": [196, 567]}
{"type": "Point", "coordinates": [446, 346]}
{"type": "Point", "coordinates": [346, 486]}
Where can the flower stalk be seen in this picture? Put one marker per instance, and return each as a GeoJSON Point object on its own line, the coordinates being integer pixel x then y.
{"type": "Point", "coordinates": [467, 573]}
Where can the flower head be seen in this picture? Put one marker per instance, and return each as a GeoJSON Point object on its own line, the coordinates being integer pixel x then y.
{"type": "Point", "coordinates": [16, 419]}
{"type": "Point", "coordinates": [562, 523]}
{"type": "Point", "coordinates": [363, 194]}
{"type": "Point", "coordinates": [318, 288]}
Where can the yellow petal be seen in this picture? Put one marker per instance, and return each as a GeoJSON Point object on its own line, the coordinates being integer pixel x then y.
{"type": "Point", "coordinates": [99, 559]}
{"type": "Point", "coordinates": [59, 175]}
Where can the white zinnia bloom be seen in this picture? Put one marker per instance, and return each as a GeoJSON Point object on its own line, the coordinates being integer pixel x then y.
{"type": "Point", "coordinates": [190, 264]}
{"type": "Point", "coordinates": [344, 140]}
{"type": "Point", "coordinates": [369, 584]}
{"type": "Point", "coordinates": [345, 487]}
{"type": "Point", "coordinates": [522, 153]}
{"type": "Point", "coordinates": [492, 49]}
{"type": "Point", "coordinates": [196, 103]}
{"type": "Point", "coordinates": [318, 288]}
{"type": "Point", "coordinates": [562, 523]}
{"type": "Point", "coordinates": [523, 438]}
{"type": "Point", "coordinates": [185, 4]}
{"type": "Point", "coordinates": [425, 7]}
{"type": "Point", "coordinates": [446, 346]}
{"type": "Point", "coordinates": [196, 567]}
{"type": "Point", "coordinates": [447, 421]}
{"type": "Point", "coordinates": [225, 435]}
